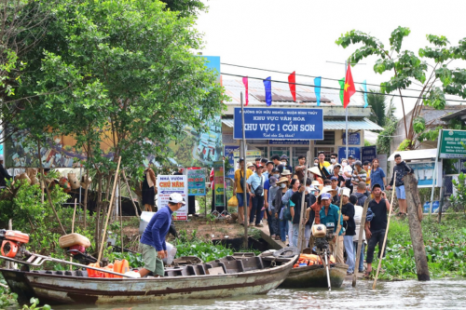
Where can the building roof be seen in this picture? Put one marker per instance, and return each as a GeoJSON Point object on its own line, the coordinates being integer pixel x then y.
{"type": "Point", "coordinates": [461, 114]}
{"type": "Point", "coordinates": [415, 154]}
{"type": "Point", "coordinates": [356, 124]}
{"type": "Point", "coordinates": [281, 94]}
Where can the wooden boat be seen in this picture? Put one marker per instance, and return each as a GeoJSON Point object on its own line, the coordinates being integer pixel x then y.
{"type": "Point", "coordinates": [315, 276]}
{"type": "Point", "coordinates": [236, 276]}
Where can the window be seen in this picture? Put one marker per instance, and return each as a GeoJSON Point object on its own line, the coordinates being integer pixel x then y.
{"type": "Point", "coordinates": [329, 139]}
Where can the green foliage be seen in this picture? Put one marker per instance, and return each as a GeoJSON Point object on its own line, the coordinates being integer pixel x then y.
{"type": "Point", "coordinates": [134, 259]}
{"type": "Point", "coordinates": [367, 143]}
{"type": "Point", "coordinates": [405, 145]}
{"type": "Point", "coordinates": [430, 135]}
{"type": "Point", "coordinates": [419, 125]}
{"type": "Point", "coordinates": [458, 200]}
{"type": "Point", "coordinates": [185, 7]}
{"type": "Point", "coordinates": [445, 249]}
{"type": "Point", "coordinates": [396, 39]}
{"type": "Point", "coordinates": [34, 305]}
{"type": "Point", "coordinates": [385, 137]}
{"type": "Point", "coordinates": [205, 250]}
{"type": "Point", "coordinates": [378, 106]}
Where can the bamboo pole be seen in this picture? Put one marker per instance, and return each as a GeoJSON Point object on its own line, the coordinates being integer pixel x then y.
{"type": "Point", "coordinates": [385, 237]}
{"type": "Point", "coordinates": [130, 194]}
{"type": "Point", "coordinates": [337, 246]}
{"type": "Point", "coordinates": [361, 233]}
{"type": "Point", "coordinates": [72, 229]}
{"type": "Point", "coordinates": [109, 210]}
{"type": "Point", "coordinates": [121, 220]}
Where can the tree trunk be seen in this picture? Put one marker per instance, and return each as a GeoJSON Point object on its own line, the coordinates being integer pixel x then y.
{"type": "Point", "coordinates": [97, 212]}
{"type": "Point", "coordinates": [415, 229]}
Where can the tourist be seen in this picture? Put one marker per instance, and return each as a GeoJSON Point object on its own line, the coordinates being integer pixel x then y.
{"type": "Point", "coordinates": [344, 163]}
{"type": "Point", "coordinates": [258, 161]}
{"type": "Point", "coordinates": [361, 193]}
{"type": "Point", "coordinates": [357, 221]}
{"type": "Point", "coordinates": [348, 173]}
{"type": "Point", "coordinates": [375, 229]}
{"type": "Point", "coordinates": [256, 190]}
{"type": "Point", "coordinates": [285, 199]}
{"type": "Point", "coordinates": [315, 174]}
{"type": "Point", "coordinates": [251, 166]}
{"type": "Point", "coordinates": [329, 214]}
{"type": "Point", "coordinates": [300, 170]}
{"type": "Point", "coordinates": [296, 198]}
{"type": "Point", "coordinates": [401, 170]}
{"type": "Point", "coordinates": [148, 190]}
{"type": "Point", "coordinates": [276, 160]}
{"type": "Point", "coordinates": [269, 196]}
{"type": "Point", "coordinates": [316, 161]}
{"type": "Point", "coordinates": [285, 164]}
{"type": "Point", "coordinates": [336, 190]}
{"type": "Point", "coordinates": [152, 246]}
{"type": "Point", "coordinates": [280, 208]}
{"type": "Point", "coordinates": [366, 166]}
{"type": "Point", "coordinates": [336, 172]}
{"type": "Point", "coordinates": [333, 162]}
{"type": "Point", "coordinates": [287, 174]}
{"type": "Point", "coordinates": [312, 192]}
{"type": "Point", "coordinates": [347, 210]}
{"type": "Point", "coordinates": [323, 165]}
{"type": "Point", "coordinates": [269, 167]}
{"type": "Point", "coordinates": [359, 175]}
{"type": "Point", "coordinates": [377, 174]}
{"type": "Point", "coordinates": [238, 189]}
{"type": "Point", "coordinates": [264, 162]}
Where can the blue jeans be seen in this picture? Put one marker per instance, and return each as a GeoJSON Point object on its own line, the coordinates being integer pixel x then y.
{"type": "Point", "coordinates": [348, 242]}
{"type": "Point", "coordinates": [257, 204]}
{"type": "Point", "coordinates": [294, 241]}
{"type": "Point", "coordinates": [400, 192]}
{"type": "Point", "coordinates": [273, 223]}
{"type": "Point", "coordinates": [361, 258]}
{"type": "Point", "coordinates": [283, 229]}
{"type": "Point", "coordinates": [240, 198]}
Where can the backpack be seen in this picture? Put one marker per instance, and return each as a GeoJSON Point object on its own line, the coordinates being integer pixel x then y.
{"type": "Point", "coordinates": [287, 214]}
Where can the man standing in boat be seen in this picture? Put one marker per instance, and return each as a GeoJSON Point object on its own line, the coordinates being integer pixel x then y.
{"type": "Point", "coordinates": [329, 214]}
{"type": "Point", "coordinates": [152, 246]}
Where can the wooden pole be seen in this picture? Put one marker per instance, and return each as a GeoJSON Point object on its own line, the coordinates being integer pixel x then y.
{"type": "Point", "coordinates": [72, 228]}
{"type": "Point", "coordinates": [245, 189]}
{"type": "Point", "coordinates": [121, 218]}
{"type": "Point", "coordinates": [442, 194]}
{"type": "Point", "coordinates": [302, 226]}
{"type": "Point", "coordinates": [361, 233]}
{"type": "Point", "coordinates": [130, 194]}
{"type": "Point", "coordinates": [337, 246]}
{"type": "Point", "coordinates": [415, 230]}
{"type": "Point", "coordinates": [109, 210]}
{"type": "Point", "coordinates": [385, 238]}
{"type": "Point", "coordinates": [10, 227]}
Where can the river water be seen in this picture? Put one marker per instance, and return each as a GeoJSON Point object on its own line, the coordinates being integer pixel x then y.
{"type": "Point", "coordinates": [437, 294]}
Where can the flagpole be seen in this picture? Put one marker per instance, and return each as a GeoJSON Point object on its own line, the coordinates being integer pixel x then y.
{"type": "Point", "coordinates": [346, 114]}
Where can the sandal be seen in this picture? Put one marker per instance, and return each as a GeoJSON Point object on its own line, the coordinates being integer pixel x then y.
{"type": "Point", "coordinates": [367, 274]}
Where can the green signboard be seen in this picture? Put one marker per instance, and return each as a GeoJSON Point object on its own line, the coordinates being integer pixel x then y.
{"type": "Point", "coordinates": [219, 183]}
{"type": "Point", "coordinates": [452, 144]}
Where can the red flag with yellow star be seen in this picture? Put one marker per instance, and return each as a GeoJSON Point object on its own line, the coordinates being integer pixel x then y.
{"type": "Point", "coordinates": [349, 87]}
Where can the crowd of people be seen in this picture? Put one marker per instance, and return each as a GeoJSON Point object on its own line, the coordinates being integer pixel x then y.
{"type": "Point", "coordinates": [274, 192]}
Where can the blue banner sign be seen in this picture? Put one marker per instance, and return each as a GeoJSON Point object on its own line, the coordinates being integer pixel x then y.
{"type": "Point", "coordinates": [279, 124]}
{"type": "Point", "coordinates": [229, 153]}
{"type": "Point", "coordinates": [300, 142]}
{"type": "Point", "coordinates": [354, 138]}
{"type": "Point", "coordinates": [355, 151]}
{"type": "Point", "coordinates": [368, 153]}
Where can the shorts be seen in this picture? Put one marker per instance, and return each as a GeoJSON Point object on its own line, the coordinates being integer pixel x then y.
{"type": "Point", "coordinates": [400, 192]}
{"type": "Point", "coordinates": [151, 260]}
{"type": "Point", "coordinates": [240, 198]}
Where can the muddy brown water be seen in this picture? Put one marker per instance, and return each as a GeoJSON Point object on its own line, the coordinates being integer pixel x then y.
{"type": "Point", "coordinates": [437, 294]}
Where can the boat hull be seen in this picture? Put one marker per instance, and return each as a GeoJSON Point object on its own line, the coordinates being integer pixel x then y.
{"type": "Point", "coordinates": [315, 276]}
{"type": "Point", "coordinates": [56, 289]}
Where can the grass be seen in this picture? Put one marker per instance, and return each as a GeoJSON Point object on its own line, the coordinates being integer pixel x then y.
{"type": "Point", "coordinates": [445, 246]}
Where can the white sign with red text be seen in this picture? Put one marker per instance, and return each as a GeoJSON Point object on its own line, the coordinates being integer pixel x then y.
{"type": "Point", "coordinates": [169, 184]}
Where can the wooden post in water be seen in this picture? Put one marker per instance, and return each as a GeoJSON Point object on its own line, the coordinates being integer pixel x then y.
{"type": "Point", "coordinates": [415, 229]}
{"type": "Point", "coordinates": [361, 233]}
{"type": "Point", "coordinates": [245, 191]}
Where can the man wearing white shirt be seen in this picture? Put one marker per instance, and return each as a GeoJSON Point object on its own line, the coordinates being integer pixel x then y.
{"type": "Point", "coordinates": [357, 220]}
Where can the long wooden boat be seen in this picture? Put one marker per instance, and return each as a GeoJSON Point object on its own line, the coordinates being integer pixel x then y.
{"type": "Point", "coordinates": [315, 276]}
{"type": "Point", "coordinates": [241, 276]}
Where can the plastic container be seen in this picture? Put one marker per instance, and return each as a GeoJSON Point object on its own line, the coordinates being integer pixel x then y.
{"type": "Point", "coordinates": [109, 267]}
{"type": "Point", "coordinates": [427, 207]}
{"type": "Point", "coordinates": [70, 240]}
{"type": "Point", "coordinates": [94, 273]}
{"type": "Point", "coordinates": [435, 206]}
{"type": "Point", "coordinates": [171, 251]}
{"type": "Point", "coordinates": [120, 266]}
{"type": "Point", "coordinates": [15, 235]}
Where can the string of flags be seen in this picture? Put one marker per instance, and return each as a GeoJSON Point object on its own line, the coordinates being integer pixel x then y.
{"type": "Point", "coordinates": [347, 88]}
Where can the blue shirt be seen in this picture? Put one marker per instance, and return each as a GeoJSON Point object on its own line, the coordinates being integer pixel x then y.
{"type": "Point", "coordinates": [266, 184]}
{"type": "Point", "coordinates": [157, 229]}
{"type": "Point", "coordinates": [332, 216]}
{"type": "Point", "coordinates": [266, 175]}
{"type": "Point", "coordinates": [377, 177]}
{"type": "Point", "coordinates": [255, 180]}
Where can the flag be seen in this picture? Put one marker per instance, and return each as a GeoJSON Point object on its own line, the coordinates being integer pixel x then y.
{"type": "Point", "coordinates": [365, 94]}
{"type": "Point", "coordinates": [317, 84]}
{"type": "Point", "coordinates": [349, 87]}
{"type": "Point", "coordinates": [342, 87]}
{"type": "Point", "coordinates": [245, 82]}
{"type": "Point", "coordinates": [268, 90]}
{"type": "Point", "coordinates": [292, 84]}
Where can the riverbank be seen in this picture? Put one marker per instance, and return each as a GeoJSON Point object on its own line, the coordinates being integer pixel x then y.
{"type": "Point", "coordinates": [445, 248]}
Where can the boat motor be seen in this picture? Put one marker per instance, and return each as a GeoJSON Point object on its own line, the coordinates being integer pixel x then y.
{"type": "Point", "coordinates": [12, 243]}
{"type": "Point", "coordinates": [323, 234]}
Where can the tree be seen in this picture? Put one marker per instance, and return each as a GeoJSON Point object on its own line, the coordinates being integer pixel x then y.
{"type": "Point", "coordinates": [377, 103]}
{"type": "Point", "coordinates": [408, 67]}
{"type": "Point", "coordinates": [185, 7]}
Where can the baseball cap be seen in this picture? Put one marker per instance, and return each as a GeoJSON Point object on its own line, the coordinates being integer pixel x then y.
{"type": "Point", "coordinates": [284, 157]}
{"type": "Point", "coordinates": [272, 180]}
{"type": "Point", "coordinates": [346, 192]}
{"type": "Point", "coordinates": [351, 157]}
{"type": "Point", "coordinates": [325, 196]}
{"type": "Point", "coordinates": [176, 198]}
{"type": "Point", "coordinates": [241, 160]}
{"type": "Point", "coordinates": [336, 165]}
{"type": "Point", "coordinates": [358, 163]}
{"type": "Point", "coordinates": [257, 165]}
{"type": "Point", "coordinates": [334, 178]}
{"type": "Point", "coordinates": [249, 164]}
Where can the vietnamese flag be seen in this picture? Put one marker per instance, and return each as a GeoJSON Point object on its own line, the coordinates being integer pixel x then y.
{"type": "Point", "coordinates": [292, 84]}
{"type": "Point", "coordinates": [245, 82]}
{"type": "Point", "coordinates": [349, 89]}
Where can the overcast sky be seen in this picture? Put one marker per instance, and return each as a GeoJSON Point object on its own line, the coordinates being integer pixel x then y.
{"type": "Point", "coordinates": [299, 35]}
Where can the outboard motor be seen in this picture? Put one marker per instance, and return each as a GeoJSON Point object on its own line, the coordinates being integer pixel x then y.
{"type": "Point", "coordinates": [323, 234]}
{"type": "Point", "coordinates": [12, 243]}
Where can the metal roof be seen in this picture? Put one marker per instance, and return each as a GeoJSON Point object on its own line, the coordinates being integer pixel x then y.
{"type": "Point", "coordinates": [360, 124]}
{"type": "Point", "coordinates": [415, 154]}
{"type": "Point", "coordinates": [459, 114]}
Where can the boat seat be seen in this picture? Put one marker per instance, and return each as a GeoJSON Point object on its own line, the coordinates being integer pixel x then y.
{"type": "Point", "coordinates": [230, 266]}
{"type": "Point", "coordinates": [249, 264]}
{"type": "Point", "coordinates": [188, 271]}
{"type": "Point", "coordinates": [80, 273]}
{"type": "Point", "coordinates": [260, 263]}
{"type": "Point", "coordinates": [240, 266]}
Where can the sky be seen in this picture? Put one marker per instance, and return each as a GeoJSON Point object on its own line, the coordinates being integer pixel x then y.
{"type": "Point", "coordinates": [300, 35]}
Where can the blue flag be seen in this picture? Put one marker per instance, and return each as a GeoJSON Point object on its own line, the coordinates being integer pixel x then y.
{"type": "Point", "coordinates": [268, 90]}
{"type": "Point", "coordinates": [317, 84]}
{"type": "Point", "coordinates": [365, 94]}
